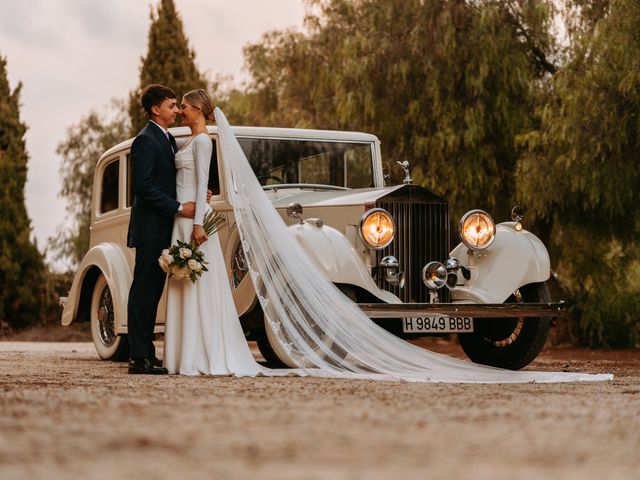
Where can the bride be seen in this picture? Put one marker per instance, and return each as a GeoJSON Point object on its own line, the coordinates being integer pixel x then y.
{"type": "Point", "coordinates": [202, 332]}
{"type": "Point", "coordinates": [324, 332]}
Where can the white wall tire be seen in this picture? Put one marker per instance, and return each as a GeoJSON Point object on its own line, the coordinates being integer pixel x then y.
{"type": "Point", "coordinates": [104, 324]}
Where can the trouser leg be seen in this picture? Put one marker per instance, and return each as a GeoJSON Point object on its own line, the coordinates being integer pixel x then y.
{"type": "Point", "coordinates": [144, 296]}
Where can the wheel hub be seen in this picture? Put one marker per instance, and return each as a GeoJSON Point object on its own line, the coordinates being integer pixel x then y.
{"type": "Point", "coordinates": [506, 333]}
{"type": "Point", "coordinates": [106, 318]}
{"type": "Point", "coordinates": [239, 267]}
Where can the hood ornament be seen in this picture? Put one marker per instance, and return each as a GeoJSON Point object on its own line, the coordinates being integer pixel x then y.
{"type": "Point", "coordinates": [407, 176]}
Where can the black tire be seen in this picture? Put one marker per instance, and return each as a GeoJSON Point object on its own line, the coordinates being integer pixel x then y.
{"type": "Point", "coordinates": [509, 343]}
{"type": "Point", "coordinates": [104, 325]}
{"type": "Point", "coordinates": [270, 355]}
{"type": "Point", "coordinates": [271, 359]}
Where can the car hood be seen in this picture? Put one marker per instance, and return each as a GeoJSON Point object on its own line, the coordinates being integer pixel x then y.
{"type": "Point", "coordinates": [327, 198]}
{"type": "Point", "coordinates": [282, 197]}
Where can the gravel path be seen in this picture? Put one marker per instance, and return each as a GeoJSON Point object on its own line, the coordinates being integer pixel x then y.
{"type": "Point", "coordinates": [66, 414]}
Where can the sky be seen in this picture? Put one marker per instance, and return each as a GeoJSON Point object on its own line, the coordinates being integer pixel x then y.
{"type": "Point", "coordinates": [73, 56]}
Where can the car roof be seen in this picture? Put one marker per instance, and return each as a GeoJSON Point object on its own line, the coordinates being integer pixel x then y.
{"type": "Point", "coordinates": [270, 132]}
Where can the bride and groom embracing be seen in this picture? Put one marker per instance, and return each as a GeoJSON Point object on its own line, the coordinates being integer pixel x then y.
{"type": "Point", "coordinates": [323, 332]}
{"type": "Point", "coordinates": [169, 179]}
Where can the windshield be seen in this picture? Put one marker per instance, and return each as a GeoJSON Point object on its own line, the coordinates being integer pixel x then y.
{"type": "Point", "coordinates": [280, 161]}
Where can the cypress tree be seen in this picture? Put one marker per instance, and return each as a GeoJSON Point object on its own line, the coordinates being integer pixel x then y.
{"type": "Point", "coordinates": [169, 61]}
{"type": "Point", "coordinates": [21, 265]}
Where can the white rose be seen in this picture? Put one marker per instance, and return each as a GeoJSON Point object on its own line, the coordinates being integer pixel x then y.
{"type": "Point", "coordinates": [163, 264]}
{"type": "Point", "coordinates": [167, 257]}
{"type": "Point", "coordinates": [185, 253]}
{"type": "Point", "coordinates": [193, 264]}
{"type": "Point", "coordinates": [180, 273]}
{"type": "Point", "coordinates": [198, 268]}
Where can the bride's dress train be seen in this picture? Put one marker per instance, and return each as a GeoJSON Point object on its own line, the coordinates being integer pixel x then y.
{"type": "Point", "coordinates": [324, 333]}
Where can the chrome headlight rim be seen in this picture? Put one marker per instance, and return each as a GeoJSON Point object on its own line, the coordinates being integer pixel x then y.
{"type": "Point", "coordinates": [366, 215]}
{"type": "Point", "coordinates": [461, 230]}
{"type": "Point", "coordinates": [434, 275]}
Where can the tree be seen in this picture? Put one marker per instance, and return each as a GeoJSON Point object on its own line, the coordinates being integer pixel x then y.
{"type": "Point", "coordinates": [446, 85]}
{"type": "Point", "coordinates": [85, 143]}
{"type": "Point", "coordinates": [580, 174]}
{"type": "Point", "coordinates": [169, 61]}
{"type": "Point", "coordinates": [21, 264]}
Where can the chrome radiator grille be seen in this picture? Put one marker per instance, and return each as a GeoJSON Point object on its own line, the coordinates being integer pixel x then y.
{"type": "Point", "coordinates": [422, 236]}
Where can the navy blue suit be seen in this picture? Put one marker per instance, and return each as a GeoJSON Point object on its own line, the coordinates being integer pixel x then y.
{"type": "Point", "coordinates": [153, 177]}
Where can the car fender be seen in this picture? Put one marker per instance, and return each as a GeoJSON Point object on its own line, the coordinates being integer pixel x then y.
{"type": "Point", "coordinates": [336, 257]}
{"type": "Point", "coordinates": [515, 258]}
{"type": "Point", "coordinates": [111, 260]}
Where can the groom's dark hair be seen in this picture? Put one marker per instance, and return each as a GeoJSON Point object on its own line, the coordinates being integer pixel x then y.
{"type": "Point", "coordinates": [153, 95]}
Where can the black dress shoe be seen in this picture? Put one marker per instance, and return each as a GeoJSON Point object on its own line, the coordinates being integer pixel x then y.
{"type": "Point", "coordinates": [146, 366]}
{"type": "Point", "coordinates": [156, 361]}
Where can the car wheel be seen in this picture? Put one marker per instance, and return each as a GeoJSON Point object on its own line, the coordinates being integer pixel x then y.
{"type": "Point", "coordinates": [271, 358]}
{"type": "Point", "coordinates": [276, 355]}
{"type": "Point", "coordinates": [509, 343]}
{"type": "Point", "coordinates": [109, 345]}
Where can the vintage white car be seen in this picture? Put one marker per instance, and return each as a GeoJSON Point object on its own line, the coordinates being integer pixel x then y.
{"type": "Point", "coordinates": [386, 247]}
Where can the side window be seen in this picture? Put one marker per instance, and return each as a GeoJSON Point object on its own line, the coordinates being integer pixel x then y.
{"type": "Point", "coordinates": [214, 176]}
{"type": "Point", "coordinates": [129, 199]}
{"type": "Point", "coordinates": [109, 192]}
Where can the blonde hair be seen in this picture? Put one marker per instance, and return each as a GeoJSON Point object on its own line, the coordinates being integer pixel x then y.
{"type": "Point", "coordinates": [202, 99]}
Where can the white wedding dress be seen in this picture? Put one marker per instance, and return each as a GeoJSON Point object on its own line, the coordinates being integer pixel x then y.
{"type": "Point", "coordinates": [202, 331]}
{"type": "Point", "coordinates": [323, 332]}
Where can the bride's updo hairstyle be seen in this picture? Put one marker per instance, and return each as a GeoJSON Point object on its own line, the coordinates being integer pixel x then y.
{"type": "Point", "coordinates": [202, 99]}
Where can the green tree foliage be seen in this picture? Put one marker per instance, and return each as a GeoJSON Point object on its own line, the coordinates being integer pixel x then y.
{"type": "Point", "coordinates": [581, 176]}
{"type": "Point", "coordinates": [169, 61]}
{"type": "Point", "coordinates": [85, 143]}
{"type": "Point", "coordinates": [582, 16]}
{"type": "Point", "coordinates": [21, 265]}
{"type": "Point", "coordinates": [446, 85]}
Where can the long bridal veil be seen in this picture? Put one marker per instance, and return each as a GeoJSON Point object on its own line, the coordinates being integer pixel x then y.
{"type": "Point", "coordinates": [324, 332]}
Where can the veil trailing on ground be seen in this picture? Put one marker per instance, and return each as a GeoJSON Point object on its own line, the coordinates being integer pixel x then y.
{"type": "Point", "coordinates": [321, 330]}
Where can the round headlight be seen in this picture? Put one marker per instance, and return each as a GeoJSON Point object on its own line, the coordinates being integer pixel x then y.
{"type": "Point", "coordinates": [377, 228]}
{"type": "Point", "coordinates": [434, 275]}
{"type": "Point", "coordinates": [477, 229]}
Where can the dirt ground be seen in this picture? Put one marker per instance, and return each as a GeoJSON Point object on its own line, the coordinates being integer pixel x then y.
{"type": "Point", "coordinates": [66, 414]}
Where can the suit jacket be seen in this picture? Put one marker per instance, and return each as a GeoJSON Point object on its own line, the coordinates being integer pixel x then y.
{"type": "Point", "coordinates": [153, 177]}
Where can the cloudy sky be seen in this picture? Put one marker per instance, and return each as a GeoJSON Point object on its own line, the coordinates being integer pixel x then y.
{"type": "Point", "coordinates": [76, 55]}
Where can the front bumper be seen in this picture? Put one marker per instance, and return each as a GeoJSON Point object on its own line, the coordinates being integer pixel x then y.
{"type": "Point", "coordinates": [475, 310]}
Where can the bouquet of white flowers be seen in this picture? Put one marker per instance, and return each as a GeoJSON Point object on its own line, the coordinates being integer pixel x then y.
{"type": "Point", "coordinates": [183, 259]}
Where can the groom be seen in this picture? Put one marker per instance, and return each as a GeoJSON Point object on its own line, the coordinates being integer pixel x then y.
{"type": "Point", "coordinates": [154, 208]}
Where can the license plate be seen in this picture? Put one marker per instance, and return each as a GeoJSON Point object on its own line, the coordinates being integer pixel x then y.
{"type": "Point", "coordinates": [437, 324]}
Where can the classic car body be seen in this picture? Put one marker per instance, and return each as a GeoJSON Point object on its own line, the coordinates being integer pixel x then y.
{"type": "Point", "coordinates": [327, 185]}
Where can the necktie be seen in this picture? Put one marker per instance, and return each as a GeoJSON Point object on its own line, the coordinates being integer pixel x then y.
{"type": "Point", "coordinates": [172, 141]}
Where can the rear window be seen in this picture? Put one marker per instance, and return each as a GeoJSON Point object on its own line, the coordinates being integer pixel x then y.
{"type": "Point", "coordinates": [109, 190]}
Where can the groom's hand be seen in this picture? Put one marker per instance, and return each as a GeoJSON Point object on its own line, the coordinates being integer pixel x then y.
{"type": "Point", "coordinates": [209, 195]}
{"type": "Point", "coordinates": [199, 235]}
{"type": "Point", "coordinates": [188, 209]}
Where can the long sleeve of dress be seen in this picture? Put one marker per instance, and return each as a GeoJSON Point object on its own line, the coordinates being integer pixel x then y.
{"type": "Point", "coordinates": [202, 148]}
